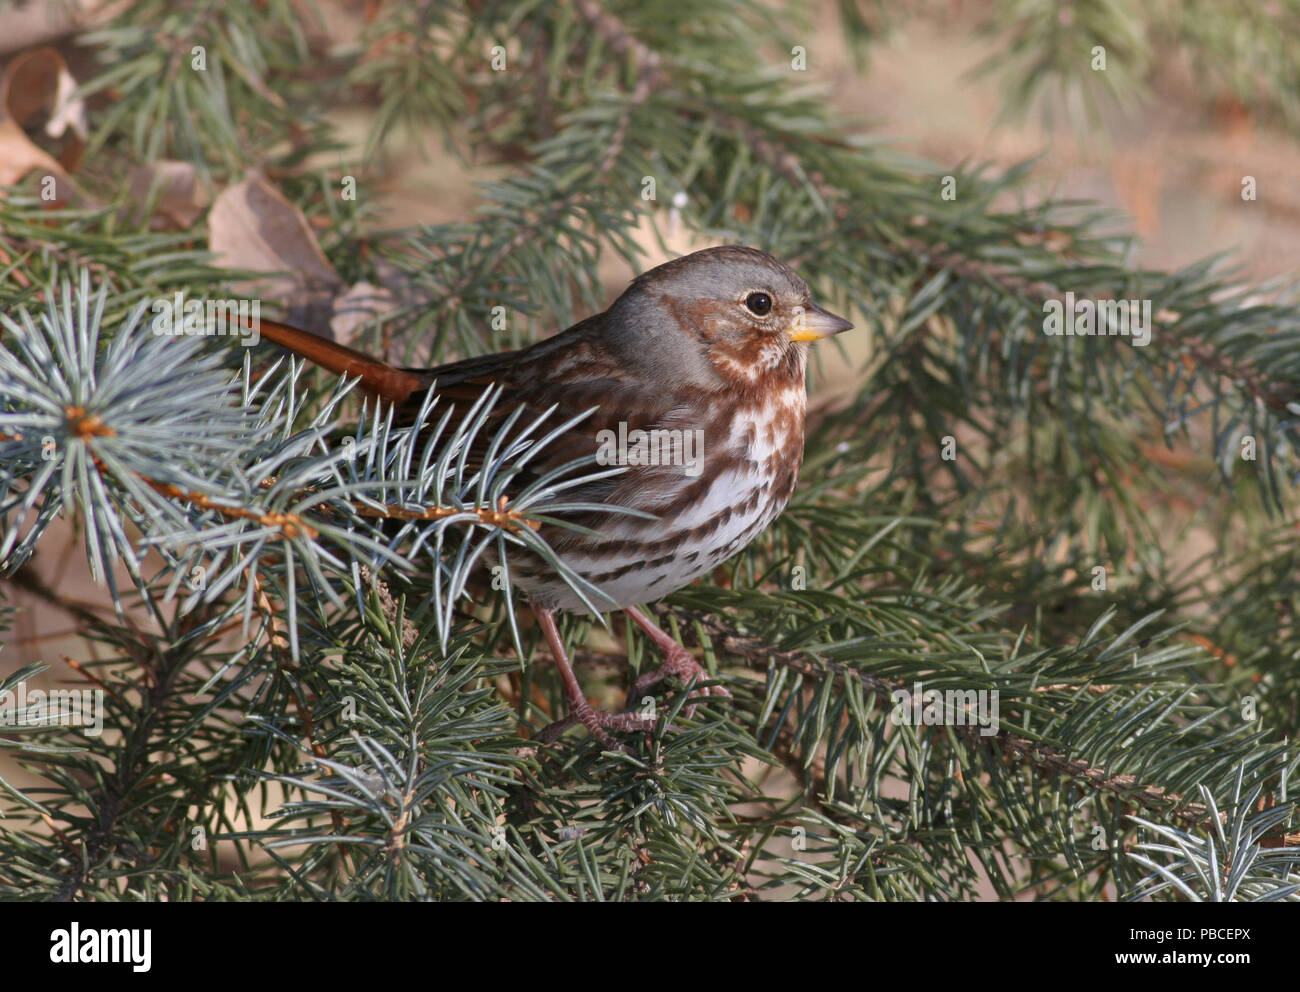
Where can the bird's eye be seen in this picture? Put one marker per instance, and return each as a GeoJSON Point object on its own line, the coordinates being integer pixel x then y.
{"type": "Point", "coordinates": [759, 304]}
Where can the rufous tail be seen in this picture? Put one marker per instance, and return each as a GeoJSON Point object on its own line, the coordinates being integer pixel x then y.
{"type": "Point", "coordinates": [379, 378]}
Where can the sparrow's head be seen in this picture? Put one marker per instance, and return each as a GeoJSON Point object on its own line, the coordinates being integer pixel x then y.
{"type": "Point", "coordinates": [727, 313]}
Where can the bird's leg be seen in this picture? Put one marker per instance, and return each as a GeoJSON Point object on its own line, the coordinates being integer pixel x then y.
{"type": "Point", "coordinates": [581, 711]}
{"type": "Point", "coordinates": [677, 661]}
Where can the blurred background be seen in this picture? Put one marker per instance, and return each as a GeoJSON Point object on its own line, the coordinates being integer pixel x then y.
{"type": "Point", "coordinates": [1195, 98]}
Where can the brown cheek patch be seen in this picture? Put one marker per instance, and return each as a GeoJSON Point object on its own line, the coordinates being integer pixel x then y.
{"type": "Point", "coordinates": [697, 317]}
{"type": "Point", "coordinates": [747, 352]}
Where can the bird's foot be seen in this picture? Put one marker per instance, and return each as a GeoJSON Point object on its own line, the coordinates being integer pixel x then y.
{"type": "Point", "coordinates": [598, 723]}
{"type": "Point", "coordinates": [677, 661]}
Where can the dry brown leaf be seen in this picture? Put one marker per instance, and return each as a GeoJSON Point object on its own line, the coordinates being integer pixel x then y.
{"type": "Point", "coordinates": [18, 156]}
{"type": "Point", "coordinates": [181, 198]}
{"type": "Point", "coordinates": [36, 94]}
{"type": "Point", "coordinates": [252, 226]}
{"type": "Point", "coordinates": [30, 24]}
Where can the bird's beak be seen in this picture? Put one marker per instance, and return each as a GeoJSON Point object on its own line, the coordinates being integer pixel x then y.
{"type": "Point", "coordinates": [815, 323]}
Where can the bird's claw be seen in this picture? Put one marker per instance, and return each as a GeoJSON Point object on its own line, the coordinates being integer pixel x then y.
{"type": "Point", "coordinates": [681, 663]}
{"type": "Point", "coordinates": [598, 723]}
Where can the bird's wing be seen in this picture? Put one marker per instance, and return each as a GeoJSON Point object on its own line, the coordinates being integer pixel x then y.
{"type": "Point", "coordinates": [555, 381]}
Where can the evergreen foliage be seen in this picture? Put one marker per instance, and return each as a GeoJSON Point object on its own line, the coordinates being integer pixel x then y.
{"type": "Point", "coordinates": [307, 695]}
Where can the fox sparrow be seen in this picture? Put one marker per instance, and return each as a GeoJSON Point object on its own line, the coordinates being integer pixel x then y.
{"type": "Point", "coordinates": [697, 371]}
